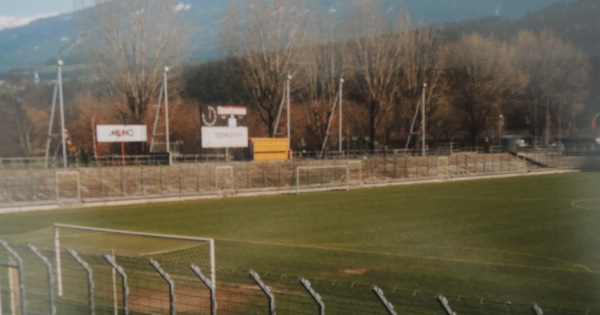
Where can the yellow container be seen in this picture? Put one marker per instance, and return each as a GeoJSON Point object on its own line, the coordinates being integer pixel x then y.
{"type": "Point", "coordinates": [269, 149]}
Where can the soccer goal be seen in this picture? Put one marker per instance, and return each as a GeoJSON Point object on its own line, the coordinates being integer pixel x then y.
{"type": "Point", "coordinates": [322, 177]}
{"type": "Point", "coordinates": [224, 177]}
{"type": "Point", "coordinates": [67, 185]}
{"type": "Point", "coordinates": [132, 270]}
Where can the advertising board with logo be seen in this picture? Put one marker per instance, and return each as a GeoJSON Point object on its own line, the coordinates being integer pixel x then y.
{"type": "Point", "coordinates": [121, 133]}
{"type": "Point", "coordinates": [224, 127]}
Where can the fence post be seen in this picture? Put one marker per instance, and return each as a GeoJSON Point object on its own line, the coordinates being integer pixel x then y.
{"type": "Point", "coordinates": [56, 188]}
{"type": "Point", "coordinates": [180, 178]}
{"type": "Point", "coordinates": [248, 182]}
{"type": "Point", "coordinates": [111, 261]}
{"type": "Point", "coordinates": [0, 299]}
{"type": "Point", "coordinates": [32, 182]}
{"type": "Point", "coordinates": [266, 290]}
{"type": "Point", "coordinates": [6, 192]}
{"type": "Point", "coordinates": [100, 178]}
{"type": "Point", "coordinates": [388, 306]}
{"type": "Point", "coordinates": [19, 266]}
{"type": "Point", "coordinates": [214, 167]}
{"type": "Point", "coordinates": [122, 180]}
{"type": "Point", "coordinates": [199, 182]}
{"type": "Point", "coordinates": [44, 260]}
{"type": "Point", "coordinates": [160, 171]}
{"type": "Point", "coordinates": [90, 275]}
{"type": "Point", "coordinates": [278, 174]}
{"type": "Point", "coordinates": [444, 304]}
{"type": "Point", "coordinates": [314, 295]}
{"type": "Point", "coordinates": [211, 288]}
{"type": "Point", "coordinates": [142, 179]}
{"type": "Point", "coordinates": [169, 280]}
{"type": "Point", "coordinates": [372, 162]}
{"type": "Point", "coordinates": [484, 165]}
{"type": "Point", "coordinates": [385, 164]}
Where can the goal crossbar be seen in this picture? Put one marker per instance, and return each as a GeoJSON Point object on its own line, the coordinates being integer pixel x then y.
{"type": "Point", "coordinates": [344, 185]}
{"type": "Point", "coordinates": [57, 245]}
{"type": "Point", "coordinates": [228, 168]}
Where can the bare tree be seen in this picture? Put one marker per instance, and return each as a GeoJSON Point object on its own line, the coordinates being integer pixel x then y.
{"type": "Point", "coordinates": [558, 74]}
{"type": "Point", "coordinates": [22, 127]}
{"type": "Point", "coordinates": [131, 42]}
{"type": "Point", "coordinates": [484, 77]}
{"type": "Point", "coordinates": [89, 112]}
{"type": "Point", "coordinates": [266, 37]}
{"type": "Point", "coordinates": [321, 76]}
{"type": "Point", "coordinates": [375, 53]}
{"type": "Point", "coordinates": [422, 66]}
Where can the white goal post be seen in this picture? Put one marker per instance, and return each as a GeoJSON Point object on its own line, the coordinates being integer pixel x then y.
{"type": "Point", "coordinates": [322, 177]}
{"type": "Point", "coordinates": [123, 242]}
{"type": "Point", "coordinates": [67, 177]}
{"type": "Point", "coordinates": [219, 171]}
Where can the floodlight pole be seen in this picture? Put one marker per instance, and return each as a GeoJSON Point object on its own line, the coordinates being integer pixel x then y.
{"type": "Point", "coordinates": [287, 96]}
{"type": "Point", "coordinates": [341, 147]}
{"type": "Point", "coordinates": [423, 120]}
{"type": "Point", "coordinates": [62, 113]}
{"type": "Point", "coordinates": [50, 123]}
{"type": "Point", "coordinates": [167, 115]}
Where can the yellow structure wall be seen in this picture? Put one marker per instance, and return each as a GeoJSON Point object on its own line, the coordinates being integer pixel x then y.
{"type": "Point", "coordinates": [268, 149]}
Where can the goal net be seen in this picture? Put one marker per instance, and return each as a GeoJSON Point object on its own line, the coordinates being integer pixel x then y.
{"type": "Point", "coordinates": [322, 177]}
{"type": "Point", "coordinates": [133, 251]}
{"type": "Point", "coordinates": [224, 178]}
{"type": "Point", "coordinates": [108, 270]}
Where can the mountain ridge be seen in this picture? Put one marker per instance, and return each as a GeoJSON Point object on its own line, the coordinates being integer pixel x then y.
{"type": "Point", "coordinates": [37, 45]}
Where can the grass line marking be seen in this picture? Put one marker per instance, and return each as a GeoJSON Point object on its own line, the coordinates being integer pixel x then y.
{"type": "Point", "coordinates": [490, 198]}
{"type": "Point", "coordinates": [580, 268]}
{"type": "Point", "coordinates": [577, 204]}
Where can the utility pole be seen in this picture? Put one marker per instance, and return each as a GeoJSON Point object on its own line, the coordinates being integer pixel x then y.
{"type": "Point", "coordinates": [168, 142]}
{"type": "Point", "coordinates": [62, 113]}
{"type": "Point", "coordinates": [287, 96]}
{"type": "Point", "coordinates": [423, 129]}
{"type": "Point", "coordinates": [59, 90]}
{"type": "Point", "coordinates": [50, 123]}
{"type": "Point", "coordinates": [163, 93]}
{"type": "Point", "coordinates": [341, 147]}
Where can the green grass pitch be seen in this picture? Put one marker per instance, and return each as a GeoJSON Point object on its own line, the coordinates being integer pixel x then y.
{"type": "Point", "coordinates": [525, 239]}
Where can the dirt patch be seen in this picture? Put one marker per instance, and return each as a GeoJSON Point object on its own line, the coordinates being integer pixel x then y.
{"type": "Point", "coordinates": [354, 271]}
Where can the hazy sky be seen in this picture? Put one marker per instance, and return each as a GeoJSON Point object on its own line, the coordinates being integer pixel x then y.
{"type": "Point", "coordinates": [15, 13]}
{"type": "Point", "coordinates": [28, 8]}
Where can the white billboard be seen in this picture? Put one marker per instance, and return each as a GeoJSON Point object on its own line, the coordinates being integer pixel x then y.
{"type": "Point", "coordinates": [121, 133]}
{"type": "Point", "coordinates": [231, 110]}
{"type": "Point", "coordinates": [224, 137]}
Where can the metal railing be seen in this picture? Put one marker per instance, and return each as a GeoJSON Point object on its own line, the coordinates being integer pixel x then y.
{"type": "Point", "coordinates": [20, 187]}
{"type": "Point", "coordinates": [113, 284]}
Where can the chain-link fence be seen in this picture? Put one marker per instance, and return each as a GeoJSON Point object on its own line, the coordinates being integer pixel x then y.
{"type": "Point", "coordinates": [116, 284]}
{"type": "Point", "coordinates": [24, 187]}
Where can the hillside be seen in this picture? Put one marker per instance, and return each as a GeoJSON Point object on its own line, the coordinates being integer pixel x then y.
{"type": "Point", "coordinates": [38, 43]}
{"type": "Point", "coordinates": [576, 22]}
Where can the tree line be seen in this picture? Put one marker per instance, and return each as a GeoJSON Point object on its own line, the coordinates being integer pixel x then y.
{"type": "Point", "coordinates": [385, 65]}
